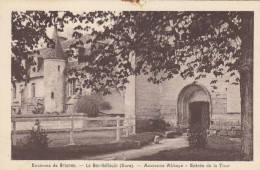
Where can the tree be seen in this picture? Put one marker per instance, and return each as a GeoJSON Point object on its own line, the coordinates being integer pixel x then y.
{"type": "Point", "coordinates": [164, 44]}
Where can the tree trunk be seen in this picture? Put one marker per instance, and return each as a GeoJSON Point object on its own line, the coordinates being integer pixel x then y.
{"type": "Point", "coordinates": [246, 92]}
{"type": "Point", "coordinates": [246, 83]}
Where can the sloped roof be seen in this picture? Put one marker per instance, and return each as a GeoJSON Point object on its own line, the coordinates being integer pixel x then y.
{"type": "Point", "coordinates": [58, 52]}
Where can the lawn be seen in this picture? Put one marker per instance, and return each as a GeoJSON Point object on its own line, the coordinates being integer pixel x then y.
{"type": "Point", "coordinates": [218, 149]}
{"type": "Point", "coordinates": [97, 145]}
{"type": "Point", "coordinates": [80, 138]}
{"type": "Point", "coordinates": [194, 154]}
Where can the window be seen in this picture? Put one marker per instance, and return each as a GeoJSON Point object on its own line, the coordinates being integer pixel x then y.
{"type": "Point", "coordinates": [14, 92]}
{"type": "Point", "coordinates": [58, 67]}
{"type": "Point", "coordinates": [52, 95]}
{"type": "Point", "coordinates": [33, 89]}
{"type": "Point", "coordinates": [21, 88]}
{"type": "Point", "coordinates": [71, 87]}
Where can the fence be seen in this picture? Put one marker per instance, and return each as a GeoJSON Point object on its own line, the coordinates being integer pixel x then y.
{"type": "Point", "coordinates": [128, 127]}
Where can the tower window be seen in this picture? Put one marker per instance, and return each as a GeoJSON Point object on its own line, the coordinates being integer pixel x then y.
{"type": "Point", "coordinates": [52, 95]}
{"type": "Point", "coordinates": [33, 89]}
{"type": "Point", "coordinates": [58, 67]}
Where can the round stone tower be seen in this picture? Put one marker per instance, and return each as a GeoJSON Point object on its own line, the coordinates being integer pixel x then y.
{"type": "Point", "coordinates": [54, 65]}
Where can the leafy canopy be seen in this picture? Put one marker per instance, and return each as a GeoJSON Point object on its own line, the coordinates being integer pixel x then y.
{"type": "Point", "coordinates": [159, 44]}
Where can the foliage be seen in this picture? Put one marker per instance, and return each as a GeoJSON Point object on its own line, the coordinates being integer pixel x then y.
{"type": "Point", "coordinates": [171, 43]}
{"type": "Point", "coordinates": [161, 44]}
{"type": "Point", "coordinates": [39, 109]}
{"type": "Point", "coordinates": [37, 141]}
{"type": "Point", "coordinates": [104, 105]}
{"type": "Point", "coordinates": [87, 105]}
{"type": "Point", "coordinates": [156, 124]}
{"type": "Point", "coordinates": [28, 29]}
{"type": "Point", "coordinates": [91, 104]}
{"type": "Point", "coordinates": [197, 136]}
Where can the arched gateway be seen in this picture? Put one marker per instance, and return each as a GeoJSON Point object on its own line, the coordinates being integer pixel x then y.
{"type": "Point", "coordinates": [194, 106]}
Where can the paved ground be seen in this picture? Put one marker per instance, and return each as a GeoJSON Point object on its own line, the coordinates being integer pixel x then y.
{"type": "Point", "coordinates": [165, 144]}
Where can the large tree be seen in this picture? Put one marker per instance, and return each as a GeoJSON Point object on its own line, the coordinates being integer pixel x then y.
{"type": "Point", "coordinates": [161, 44]}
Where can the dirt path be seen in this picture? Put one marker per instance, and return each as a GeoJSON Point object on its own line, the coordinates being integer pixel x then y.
{"type": "Point", "coordinates": [165, 144]}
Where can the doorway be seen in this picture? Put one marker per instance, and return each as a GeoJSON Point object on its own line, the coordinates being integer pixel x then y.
{"type": "Point", "coordinates": [186, 103]}
{"type": "Point", "coordinates": [199, 114]}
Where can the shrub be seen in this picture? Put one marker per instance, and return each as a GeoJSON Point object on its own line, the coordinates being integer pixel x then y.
{"type": "Point", "coordinates": [90, 105]}
{"type": "Point", "coordinates": [37, 141]}
{"type": "Point", "coordinates": [105, 106]}
{"type": "Point", "coordinates": [156, 124]}
{"type": "Point", "coordinates": [197, 136]}
{"type": "Point", "coordinates": [39, 109]}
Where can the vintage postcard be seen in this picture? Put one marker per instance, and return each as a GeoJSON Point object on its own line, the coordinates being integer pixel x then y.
{"type": "Point", "coordinates": [129, 84]}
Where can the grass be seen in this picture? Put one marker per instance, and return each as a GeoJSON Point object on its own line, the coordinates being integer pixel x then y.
{"type": "Point", "coordinates": [80, 138]}
{"type": "Point", "coordinates": [218, 149]}
{"type": "Point", "coordinates": [194, 154]}
{"type": "Point", "coordinates": [76, 152]}
{"type": "Point", "coordinates": [144, 138]}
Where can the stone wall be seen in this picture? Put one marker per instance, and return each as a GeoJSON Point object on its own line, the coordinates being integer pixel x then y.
{"type": "Point", "coordinates": [233, 99]}
{"type": "Point", "coordinates": [59, 124]}
{"type": "Point", "coordinates": [154, 100]}
{"type": "Point", "coordinates": [146, 100]}
{"type": "Point", "coordinates": [226, 125]}
{"type": "Point", "coordinates": [116, 101]}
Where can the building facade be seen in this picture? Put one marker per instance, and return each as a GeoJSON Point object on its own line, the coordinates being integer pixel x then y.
{"type": "Point", "coordinates": [179, 102]}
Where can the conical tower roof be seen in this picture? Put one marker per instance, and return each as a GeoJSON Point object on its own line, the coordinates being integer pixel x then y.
{"type": "Point", "coordinates": [58, 52]}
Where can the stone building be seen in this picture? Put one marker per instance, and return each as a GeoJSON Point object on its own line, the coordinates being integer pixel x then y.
{"type": "Point", "coordinates": [183, 102]}
{"type": "Point", "coordinates": [50, 86]}
{"type": "Point", "coordinates": [179, 102]}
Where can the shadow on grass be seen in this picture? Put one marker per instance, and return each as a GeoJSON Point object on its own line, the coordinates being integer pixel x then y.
{"type": "Point", "coordinates": [195, 154]}
{"type": "Point", "coordinates": [218, 149]}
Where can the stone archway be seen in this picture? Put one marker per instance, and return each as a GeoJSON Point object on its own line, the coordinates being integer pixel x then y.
{"type": "Point", "coordinates": [193, 99]}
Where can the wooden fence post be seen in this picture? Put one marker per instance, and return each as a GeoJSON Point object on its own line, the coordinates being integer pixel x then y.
{"type": "Point", "coordinates": [134, 125]}
{"type": "Point", "coordinates": [126, 125]}
{"type": "Point", "coordinates": [117, 128]}
{"type": "Point", "coordinates": [72, 131]}
{"type": "Point", "coordinates": [14, 132]}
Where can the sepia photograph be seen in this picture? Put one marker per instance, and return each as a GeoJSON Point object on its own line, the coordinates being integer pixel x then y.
{"type": "Point", "coordinates": [132, 85]}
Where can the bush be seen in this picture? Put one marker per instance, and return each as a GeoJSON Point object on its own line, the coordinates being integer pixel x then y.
{"type": "Point", "coordinates": [197, 136]}
{"type": "Point", "coordinates": [105, 106]}
{"type": "Point", "coordinates": [156, 124]}
{"type": "Point", "coordinates": [39, 109]}
{"type": "Point", "coordinates": [37, 141]}
{"type": "Point", "coordinates": [90, 105]}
